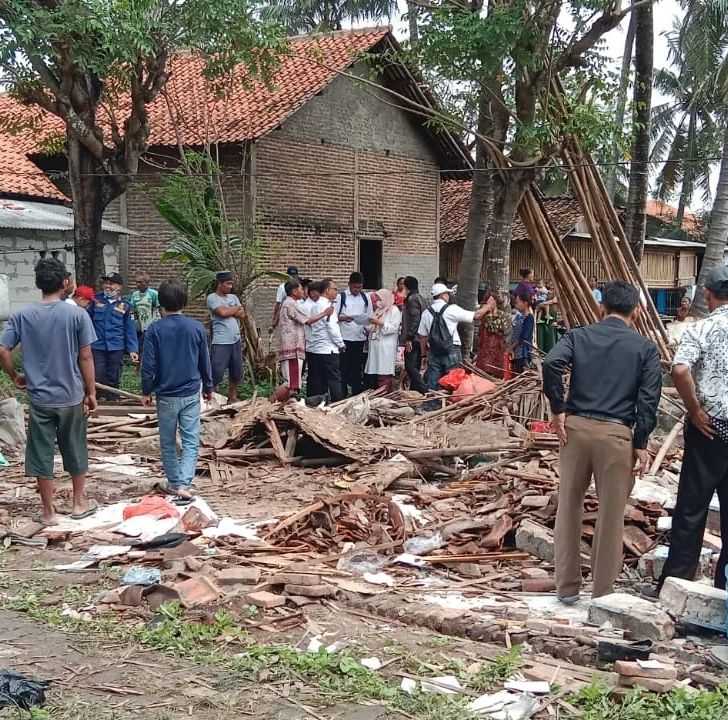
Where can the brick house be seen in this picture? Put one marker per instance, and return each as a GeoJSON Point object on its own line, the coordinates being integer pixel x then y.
{"type": "Point", "coordinates": [337, 174]}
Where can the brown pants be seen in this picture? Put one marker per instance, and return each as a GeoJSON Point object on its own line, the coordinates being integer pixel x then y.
{"type": "Point", "coordinates": [602, 449]}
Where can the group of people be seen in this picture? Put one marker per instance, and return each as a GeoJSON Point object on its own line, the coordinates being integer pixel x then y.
{"type": "Point", "coordinates": [66, 345]}
{"type": "Point", "coordinates": [350, 339]}
{"type": "Point", "coordinates": [604, 423]}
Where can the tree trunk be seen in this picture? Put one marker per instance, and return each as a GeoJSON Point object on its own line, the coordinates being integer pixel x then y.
{"type": "Point", "coordinates": [507, 197]}
{"type": "Point", "coordinates": [611, 179]}
{"type": "Point", "coordinates": [87, 192]}
{"type": "Point", "coordinates": [639, 174]}
{"type": "Point", "coordinates": [686, 191]}
{"type": "Point", "coordinates": [718, 232]}
{"type": "Point", "coordinates": [414, 32]}
{"type": "Point", "coordinates": [479, 215]}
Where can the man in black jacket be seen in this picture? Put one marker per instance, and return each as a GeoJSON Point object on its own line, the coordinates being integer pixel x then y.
{"type": "Point", "coordinates": [603, 425]}
{"type": "Point", "coordinates": [414, 306]}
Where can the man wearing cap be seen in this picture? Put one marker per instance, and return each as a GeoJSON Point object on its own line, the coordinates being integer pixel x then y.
{"type": "Point", "coordinates": [226, 352]}
{"type": "Point", "coordinates": [441, 362]}
{"type": "Point", "coordinates": [292, 272]}
{"type": "Point", "coordinates": [115, 330]}
{"type": "Point", "coordinates": [700, 374]}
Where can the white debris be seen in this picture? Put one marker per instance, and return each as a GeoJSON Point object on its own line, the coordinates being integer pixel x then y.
{"type": "Point", "coordinates": [535, 687]}
{"type": "Point", "coordinates": [371, 663]}
{"type": "Point", "coordinates": [505, 705]}
{"type": "Point", "coordinates": [405, 504]}
{"type": "Point", "coordinates": [380, 578]}
{"type": "Point", "coordinates": [408, 685]}
{"type": "Point", "coordinates": [95, 554]}
{"type": "Point", "coordinates": [444, 685]}
{"type": "Point", "coordinates": [410, 559]}
{"type": "Point", "coordinates": [237, 528]}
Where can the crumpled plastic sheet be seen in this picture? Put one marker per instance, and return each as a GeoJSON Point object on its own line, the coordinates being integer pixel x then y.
{"type": "Point", "coordinates": [21, 692]}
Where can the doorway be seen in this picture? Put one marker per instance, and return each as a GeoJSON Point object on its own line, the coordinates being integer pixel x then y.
{"type": "Point", "coordinates": [370, 263]}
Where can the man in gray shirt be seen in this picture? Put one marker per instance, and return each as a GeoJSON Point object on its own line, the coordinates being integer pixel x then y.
{"type": "Point", "coordinates": [226, 352]}
{"type": "Point", "coordinates": [56, 339]}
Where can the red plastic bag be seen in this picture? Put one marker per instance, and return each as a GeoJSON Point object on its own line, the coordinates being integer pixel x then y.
{"type": "Point", "coordinates": [472, 385]}
{"type": "Point", "coordinates": [451, 380]}
{"type": "Point", "coordinates": [153, 505]}
{"type": "Point", "coordinates": [541, 426]}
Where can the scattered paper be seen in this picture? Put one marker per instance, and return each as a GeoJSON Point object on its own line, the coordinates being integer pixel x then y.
{"type": "Point", "coordinates": [535, 687]}
{"type": "Point", "coordinates": [371, 663]}
{"type": "Point", "coordinates": [94, 555]}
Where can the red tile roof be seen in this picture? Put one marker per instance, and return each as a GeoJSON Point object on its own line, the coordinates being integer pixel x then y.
{"type": "Point", "coordinates": [564, 212]}
{"type": "Point", "coordinates": [246, 110]}
{"type": "Point", "coordinates": [20, 176]}
{"type": "Point", "coordinates": [660, 210]}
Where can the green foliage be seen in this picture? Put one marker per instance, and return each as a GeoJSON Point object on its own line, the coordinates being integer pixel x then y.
{"type": "Point", "coordinates": [191, 199]}
{"type": "Point", "coordinates": [498, 671]}
{"type": "Point", "coordinates": [313, 15]}
{"type": "Point", "coordinates": [595, 703]}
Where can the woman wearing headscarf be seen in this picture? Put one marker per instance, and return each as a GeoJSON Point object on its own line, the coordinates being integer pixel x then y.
{"type": "Point", "coordinates": [383, 337]}
{"type": "Point", "coordinates": [495, 328]}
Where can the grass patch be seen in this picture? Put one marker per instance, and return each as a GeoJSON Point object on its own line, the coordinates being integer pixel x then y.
{"type": "Point", "coordinates": [498, 671]}
{"type": "Point", "coordinates": [595, 704]}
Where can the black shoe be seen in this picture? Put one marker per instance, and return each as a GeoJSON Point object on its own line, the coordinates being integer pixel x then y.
{"type": "Point", "coordinates": [649, 591]}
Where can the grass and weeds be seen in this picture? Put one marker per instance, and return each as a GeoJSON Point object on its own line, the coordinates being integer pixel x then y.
{"type": "Point", "coordinates": [221, 643]}
{"type": "Point", "coordinates": [595, 703]}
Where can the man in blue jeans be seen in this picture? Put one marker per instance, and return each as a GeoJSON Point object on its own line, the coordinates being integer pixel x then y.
{"type": "Point", "coordinates": [175, 365]}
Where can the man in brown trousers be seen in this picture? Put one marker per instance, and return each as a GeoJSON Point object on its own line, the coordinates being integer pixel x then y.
{"type": "Point", "coordinates": [603, 426]}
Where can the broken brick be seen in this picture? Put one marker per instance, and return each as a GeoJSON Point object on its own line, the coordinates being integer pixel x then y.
{"type": "Point", "coordinates": [636, 540]}
{"type": "Point", "coordinates": [264, 599]}
{"type": "Point", "coordinates": [538, 585]}
{"type": "Point", "coordinates": [652, 684]}
{"type": "Point", "coordinates": [312, 591]}
{"type": "Point", "coordinates": [289, 578]}
{"type": "Point", "coordinates": [536, 540]}
{"type": "Point", "coordinates": [535, 501]}
{"type": "Point", "coordinates": [634, 669]}
{"type": "Point", "coordinates": [534, 573]}
{"type": "Point", "coordinates": [238, 576]}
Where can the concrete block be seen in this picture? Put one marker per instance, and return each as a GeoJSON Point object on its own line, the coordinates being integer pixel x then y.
{"type": "Point", "coordinates": [650, 565]}
{"type": "Point", "coordinates": [694, 602]}
{"type": "Point", "coordinates": [536, 540]}
{"type": "Point", "coordinates": [651, 684]}
{"type": "Point", "coordinates": [643, 619]}
{"type": "Point", "coordinates": [312, 591]}
{"type": "Point", "coordinates": [290, 578]}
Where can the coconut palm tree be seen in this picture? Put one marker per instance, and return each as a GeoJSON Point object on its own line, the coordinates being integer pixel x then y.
{"type": "Point", "coordinates": [684, 132]}
{"type": "Point", "coordinates": [704, 39]}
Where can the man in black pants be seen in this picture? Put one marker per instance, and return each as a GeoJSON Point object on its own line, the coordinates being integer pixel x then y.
{"type": "Point", "coordinates": [700, 372]}
{"type": "Point", "coordinates": [414, 306]}
{"type": "Point", "coordinates": [350, 304]}
{"type": "Point", "coordinates": [323, 347]}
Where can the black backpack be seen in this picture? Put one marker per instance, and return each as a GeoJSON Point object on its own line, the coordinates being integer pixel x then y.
{"type": "Point", "coordinates": [439, 338]}
{"type": "Point", "coordinates": [342, 300]}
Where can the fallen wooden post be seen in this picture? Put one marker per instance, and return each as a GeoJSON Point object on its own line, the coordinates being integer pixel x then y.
{"type": "Point", "coordinates": [665, 448]}
{"type": "Point", "coordinates": [121, 393]}
{"type": "Point", "coordinates": [464, 450]}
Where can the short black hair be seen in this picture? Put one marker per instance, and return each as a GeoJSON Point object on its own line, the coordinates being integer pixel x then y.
{"type": "Point", "coordinates": [620, 297]}
{"type": "Point", "coordinates": [305, 282]}
{"type": "Point", "coordinates": [525, 272]}
{"type": "Point", "coordinates": [400, 278]}
{"type": "Point", "coordinates": [172, 295]}
{"type": "Point", "coordinates": [720, 293]}
{"type": "Point", "coordinates": [357, 278]}
{"type": "Point", "coordinates": [315, 285]}
{"type": "Point", "coordinates": [412, 284]}
{"type": "Point", "coordinates": [49, 275]}
{"type": "Point", "coordinates": [327, 282]}
{"type": "Point", "coordinates": [524, 297]}
{"type": "Point", "coordinates": [290, 286]}
{"type": "Point", "coordinates": [440, 279]}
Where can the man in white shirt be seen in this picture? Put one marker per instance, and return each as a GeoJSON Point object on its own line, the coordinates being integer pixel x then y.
{"type": "Point", "coordinates": [443, 354]}
{"type": "Point", "coordinates": [350, 304]}
{"type": "Point", "coordinates": [292, 272]}
{"type": "Point", "coordinates": [324, 344]}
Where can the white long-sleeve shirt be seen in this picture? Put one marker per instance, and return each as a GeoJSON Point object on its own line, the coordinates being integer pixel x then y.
{"type": "Point", "coordinates": [325, 335]}
{"type": "Point", "coordinates": [354, 305]}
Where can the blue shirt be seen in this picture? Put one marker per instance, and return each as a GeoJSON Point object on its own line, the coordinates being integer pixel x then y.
{"type": "Point", "coordinates": [523, 335]}
{"type": "Point", "coordinates": [114, 324]}
{"type": "Point", "coordinates": [176, 361]}
{"type": "Point", "coordinates": [50, 336]}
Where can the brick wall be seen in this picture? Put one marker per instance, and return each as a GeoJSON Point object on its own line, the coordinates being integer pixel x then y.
{"type": "Point", "coordinates": [310, 207]}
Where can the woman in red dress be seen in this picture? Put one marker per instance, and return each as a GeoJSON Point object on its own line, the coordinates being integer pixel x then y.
{"type": "Point", "coordinates": [493, 341]}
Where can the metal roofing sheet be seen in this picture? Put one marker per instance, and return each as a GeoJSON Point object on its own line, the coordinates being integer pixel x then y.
{"type": "Point", "coordinates": [29, 215]}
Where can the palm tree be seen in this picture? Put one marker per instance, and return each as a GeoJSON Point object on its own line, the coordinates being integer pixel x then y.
{"type": "Point", "coordinates": [704, 39]}
{"type": "Point", "coordinates": [326, 15]}
{"type": "Point", "coordinates": [684, 132]}
{"type": "Point", "coordinates": [639, 177]}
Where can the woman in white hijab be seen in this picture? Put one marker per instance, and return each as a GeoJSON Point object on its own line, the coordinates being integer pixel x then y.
{"type": "Point", "coordinates": [383, 337]}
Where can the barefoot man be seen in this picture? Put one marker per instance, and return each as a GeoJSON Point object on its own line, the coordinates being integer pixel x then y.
{"type": "Point", "coordinates": [56, 339]}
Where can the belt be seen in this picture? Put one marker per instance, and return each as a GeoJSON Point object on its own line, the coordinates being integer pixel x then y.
{"type": "Point", "coordinates": [603, 418]}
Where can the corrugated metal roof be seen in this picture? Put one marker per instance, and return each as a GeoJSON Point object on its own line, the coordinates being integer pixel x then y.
{"type": "Point", "coordinates": [673, 243]}
{"type": "Point", "coordinates": [29, 215]}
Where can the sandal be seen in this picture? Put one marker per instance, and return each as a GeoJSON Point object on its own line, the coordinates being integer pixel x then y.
{"type": "Point", "coordinates": [92, 508]}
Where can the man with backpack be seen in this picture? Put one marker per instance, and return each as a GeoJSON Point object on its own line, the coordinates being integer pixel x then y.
{"type": "Point", "coordinates": [438, 333]}
{"type": "Point", "coordinates": [350, 304]}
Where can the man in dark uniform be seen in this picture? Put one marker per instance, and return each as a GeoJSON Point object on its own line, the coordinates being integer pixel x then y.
{"type": "Point", "coordinates": [116, 331]}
